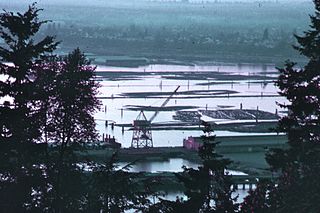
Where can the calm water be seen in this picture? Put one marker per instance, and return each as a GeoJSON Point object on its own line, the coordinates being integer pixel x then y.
{"type": "Point", "coordinates": [170, 165]}
{"type": "Point", "coordinates": [155, 83]}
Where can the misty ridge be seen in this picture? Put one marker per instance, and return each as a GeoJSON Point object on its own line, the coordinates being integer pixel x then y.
{"type": "Point", "coordinates": [188, 31]}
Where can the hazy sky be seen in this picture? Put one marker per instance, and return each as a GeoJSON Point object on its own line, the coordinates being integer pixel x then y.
{"type": "Point", "coordinates": [86, 2]}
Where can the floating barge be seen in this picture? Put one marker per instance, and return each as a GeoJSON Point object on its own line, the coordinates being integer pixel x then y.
{"type": "Point", "coordinates": [240, 144]}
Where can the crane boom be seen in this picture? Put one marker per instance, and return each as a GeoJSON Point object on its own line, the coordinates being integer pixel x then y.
{"type": "Point", "coordinates": [163, 104]}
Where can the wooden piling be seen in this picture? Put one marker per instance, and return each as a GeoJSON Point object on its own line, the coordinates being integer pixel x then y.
{"type": "Point", "coordinates": [235, 186]}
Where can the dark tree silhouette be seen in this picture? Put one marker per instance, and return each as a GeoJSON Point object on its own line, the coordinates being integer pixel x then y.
{"type": "Point", "coordinates": [298, 190]}
{"type": "Point", "coordinates": [22, 115]}
{"type": "Point", "coordinates": [72, 100]}
{"type": "Point", "coordinates": [50, 100]}
{"type": "Point", "coordinates": [114, 189]}
{"type": "Point", "coordinates": [257, 201]}
{"type": "Point", "coordinates": [21, 119]}
{"type": "Point", "coordinates": [208, 188]}
{"type": "Point", "coordinates": [70, 116]}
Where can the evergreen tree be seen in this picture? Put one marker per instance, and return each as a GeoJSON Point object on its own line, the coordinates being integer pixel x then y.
{"type": "Point", "coordinates": [257, 200]}
{"type": "Point", "coordinates": [298, 190]}
{"type": "Point", "coordinates": [50, 100]}
{"type": "Point", "coordinates": [23, 54]}
{"type": "Point", "coordinates": [208, 188]}
{"type": "Point", "coordinates": [22, 115]}
{"type": "Point", "coordinates": [114, 189]}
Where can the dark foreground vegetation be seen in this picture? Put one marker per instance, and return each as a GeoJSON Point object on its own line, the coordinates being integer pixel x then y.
{"type": "Point", "coordinates": [49, 99]}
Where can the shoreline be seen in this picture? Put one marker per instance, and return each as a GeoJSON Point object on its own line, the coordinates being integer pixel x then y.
{"type": "Point", "coordinates": [137, 61]}
{"type": "Point", "coordinates": [246, 152]}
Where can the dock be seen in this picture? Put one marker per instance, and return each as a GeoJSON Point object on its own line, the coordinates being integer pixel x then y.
{"type": "Point", "coordinates": [169, 180]}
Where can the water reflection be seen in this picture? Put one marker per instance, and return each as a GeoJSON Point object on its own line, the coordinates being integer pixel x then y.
{"type": "Point", "coordinates": [169, 165]}
{"type": "Point", "coordinates": [257, 94]}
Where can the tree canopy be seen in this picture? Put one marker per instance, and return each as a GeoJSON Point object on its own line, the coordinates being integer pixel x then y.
{"type": "Point", "coordinates": [19, 57]}
{"type": "Point", "coordinates": [298, 190]}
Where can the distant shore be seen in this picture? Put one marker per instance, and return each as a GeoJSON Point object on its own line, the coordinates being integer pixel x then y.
{"type": "Point", "coordinates": [133, 59]}
{"type": "Point", "coordinates": [137, 61]}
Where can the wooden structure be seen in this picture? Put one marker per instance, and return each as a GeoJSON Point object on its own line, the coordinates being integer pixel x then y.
{"type": "Point", "coordinates": [142, 136]}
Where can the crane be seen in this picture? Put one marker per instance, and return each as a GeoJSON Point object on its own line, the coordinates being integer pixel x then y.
{"type": "Point", "coordinates": [142, 136]}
